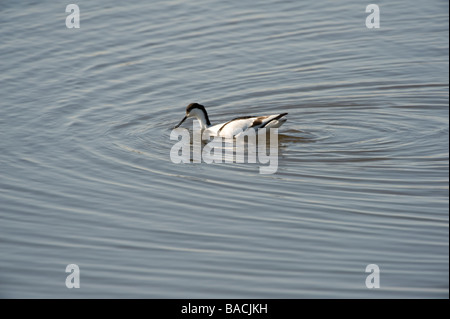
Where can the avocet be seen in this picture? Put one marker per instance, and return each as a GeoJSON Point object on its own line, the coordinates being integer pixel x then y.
{"type": "Point", "coordinates": [233, 127]}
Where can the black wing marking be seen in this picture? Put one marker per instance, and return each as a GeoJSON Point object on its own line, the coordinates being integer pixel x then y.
{"type": "Point", "coordinates": [274, 119]}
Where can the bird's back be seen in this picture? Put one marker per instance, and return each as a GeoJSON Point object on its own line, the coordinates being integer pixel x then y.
{"type": "Point", "coordinates": [243, 123]}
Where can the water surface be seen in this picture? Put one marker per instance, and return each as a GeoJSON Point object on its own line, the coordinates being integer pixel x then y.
{"type": "Point", "coordinates": [86, 176]}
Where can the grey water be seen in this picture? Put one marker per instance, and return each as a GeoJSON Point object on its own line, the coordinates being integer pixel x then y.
{"type": "Point", "coordinates": [86, 176]}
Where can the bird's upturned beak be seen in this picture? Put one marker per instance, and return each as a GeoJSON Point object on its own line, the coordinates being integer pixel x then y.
{"type": "Point", "coordinates": [184, 118]}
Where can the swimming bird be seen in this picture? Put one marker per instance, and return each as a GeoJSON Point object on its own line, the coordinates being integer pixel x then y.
{"type": "Point", "coordinates": [234, 127]}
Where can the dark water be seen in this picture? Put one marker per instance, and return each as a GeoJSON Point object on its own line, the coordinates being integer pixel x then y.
{"type": "Point", "coordinates": [86, 176]}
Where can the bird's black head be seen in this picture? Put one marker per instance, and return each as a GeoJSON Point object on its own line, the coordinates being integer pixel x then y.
{"type": "Point", "coordinates": [192, 106]}
{"type": "Point", "coordinates": [195, 110]}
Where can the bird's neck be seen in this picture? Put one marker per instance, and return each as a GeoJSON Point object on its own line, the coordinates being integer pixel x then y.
{"type": "Point", "coordinates": [203, 118]}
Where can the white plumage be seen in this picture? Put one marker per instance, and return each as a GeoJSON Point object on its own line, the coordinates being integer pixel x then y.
{"type": "Point", "coordinates": [234, 127]}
